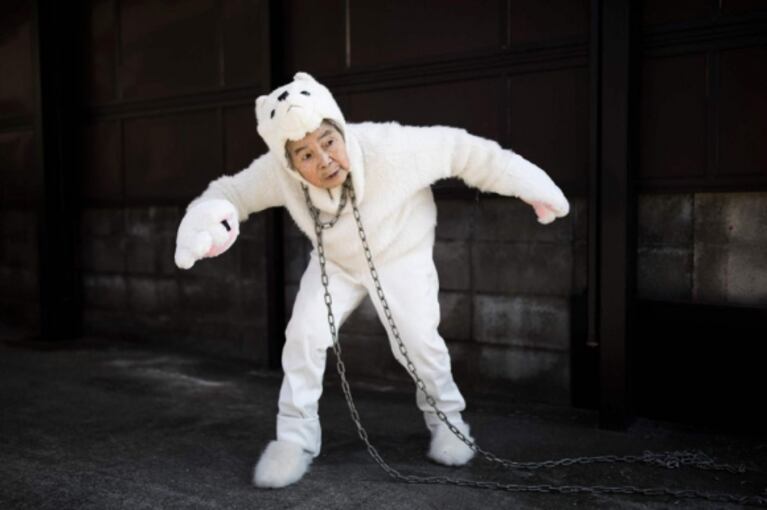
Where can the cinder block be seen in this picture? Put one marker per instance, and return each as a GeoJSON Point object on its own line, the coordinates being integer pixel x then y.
{"type": "Point", "coordinates": [290, 229]}
{"type": "Point", "coordinates": [507, 219]}
{"type": "Point", "coordinates": [296, 258]}
{"type": "Point", "coordinates": [18, 223]}
{"type": "Point", "coordinates": [731, 217]}
{"type": "Point", "coordinates": [209, 297]}
{"type": "Point", "coordinates": [253, 258]}
{"type": "Point", "coordinates": [290, 298]}
{"type": "Point", "coordinates": [254, 227]}
{"type": "Point", "coordinates": [165, 263]}
{"type": "Point", "coordinates": [224, 267]}
{"type": "Point", "coordinates": [369, 356]}
{"type": "Point", "coordinates": [364, 320]}
{"type": "Point", "coordinates": [102, 222]}
{"type": "Point", "coordinates": [103, 254]}
{"type": "Point", "coordinates": [110, 323]}
{"type": "Point", "coordinates": [149, 221]}
{"type": "Point", "coordinates": [152, 295]}
{"type": "Point", "coordinates": [252, 300]}
{"type": "Point", "coordinates": [141, 255]}
{"type": "Point", "coordinates": [107, 292]}
{"type": "Point", "coordinates": [455, 314]}
{"type": "Point", "coordinates": [579, 214]}
{"type": "Point", "coordinates": [453, 262]}
{"type": "Point", "coordinates": [665, 220]}
{"type": "Point", "coordinates": [151, 256]}
{"type": "Point", "coordinates": [710, 273]}
{"type": "Point", "coordinates": [522, 268]}
{"type": "Point", "coordinates": [747, 275]}
{"type": "Point", "coordinates": [748, 215]}
{"type": "Point", "coordinates": [20, 250]}
{"type": "Point", "coordinates": [712, 224]}
{"type": "Point", "coordinates": [214, 336]}
{"type": "Point", "coordinates": [19, 283]}
{"type": "Point", "coordinates": [525, 321]}
{"type": "Point", "coordinates": [534, 374]}
{"type": "Point", "coordinates": [735, 273]}
{"type": "Point", "coordinates": [665, 273]}
{"type": "Point", "coordinates": [454, 219]}
{"type": "Point", "coordinates": [255, 344]}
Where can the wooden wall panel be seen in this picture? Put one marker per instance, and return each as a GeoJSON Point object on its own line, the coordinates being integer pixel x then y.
{"type": "Point", "coordinates": [16, 90]}
{"type": "Point", "coordinates": [673, 117]}
{"type": "Point", "coordinates": [314, 36]}
{"type": "Point", "coordinates": [742, 6]}
{"type": "Point", "coordinates": [549, 124]}
{"type": "Point", "coordinates": [536, 21]}
{"type": "Point", "coordinates": [743, 117]}
{"type": "Point", "coordinates": [166, 51]}
{"type": "Point", "coordinates": [101, 55]}
{"type": "Point", "coordinates": [387, 33]}
{"type": "Point", "coordinates": [242, 141]}
{"type": "Point", "coordinates": [171, 157]}
{"type": "Point", "coordinates": [473, 105]}
{"type": "Point", "coordinates": [663, 11]}
{"type": "Point", "coordinates": [102, 169]}
{"type": "Point", "coordinates": [243, 42]}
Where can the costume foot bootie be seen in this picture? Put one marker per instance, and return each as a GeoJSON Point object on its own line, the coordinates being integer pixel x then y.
{"type": "Point", "coordinates": [281, 464]}
{"type": "Point", "coordinates": [447, 449]}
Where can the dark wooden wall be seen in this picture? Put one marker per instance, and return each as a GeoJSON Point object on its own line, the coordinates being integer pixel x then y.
{"type": "Point", "coordinates": [516, 72]}
{"type": "Point", "coordinates": [21, 177]}
{"type": "Point", "coordinates": [170, 96]}
{"type": "Point", "coordinates": [703, 108]}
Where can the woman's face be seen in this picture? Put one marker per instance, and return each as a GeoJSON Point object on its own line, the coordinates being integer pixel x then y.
{"type": "Point", "coordinates": [320, 157]}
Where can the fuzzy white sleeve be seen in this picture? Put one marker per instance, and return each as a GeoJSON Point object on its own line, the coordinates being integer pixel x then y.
{"type": "Point", "coordinates": [251, 190]}
{"type": "Point", "coordinates": [483, 164]}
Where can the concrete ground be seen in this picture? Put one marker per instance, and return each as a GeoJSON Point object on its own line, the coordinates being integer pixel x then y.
{"type": "Point", "coordinates": [104, 425]}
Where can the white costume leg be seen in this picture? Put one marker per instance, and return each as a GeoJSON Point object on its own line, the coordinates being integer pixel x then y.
{"type": "Point", "coordinates": [307, 339]}
{"type": "Point", "coordinates": [411, 287]}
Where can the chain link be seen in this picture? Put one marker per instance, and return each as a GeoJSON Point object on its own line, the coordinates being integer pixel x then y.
{"type": "Point", "coordinates": [669, 460]}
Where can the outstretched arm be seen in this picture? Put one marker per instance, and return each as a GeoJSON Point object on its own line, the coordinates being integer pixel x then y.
{"type": "Point", "coordinates": [485, 165]}
{"type": "Point", "coordinates": [211, 223]}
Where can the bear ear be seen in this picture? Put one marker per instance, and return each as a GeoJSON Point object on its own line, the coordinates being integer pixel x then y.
{"type": "Point", "coordinates": [304, 76]}
{"type": "Point", "coordinates": [260, 101]}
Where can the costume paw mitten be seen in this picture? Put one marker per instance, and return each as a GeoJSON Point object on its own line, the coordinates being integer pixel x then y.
{"type": "Point", "coordinates": [549, 211]}
{"type": "Point", "coordinates": [208, 229]}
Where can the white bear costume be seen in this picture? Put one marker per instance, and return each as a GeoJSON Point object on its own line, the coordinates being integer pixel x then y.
{"type": "Point", "coordinates": [391, 168]}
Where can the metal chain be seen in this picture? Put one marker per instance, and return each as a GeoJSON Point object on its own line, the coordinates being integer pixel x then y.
{"type": "Point", "coordinates": [316, 212]}
{"type": "Point", "coordinates": [669, 460]}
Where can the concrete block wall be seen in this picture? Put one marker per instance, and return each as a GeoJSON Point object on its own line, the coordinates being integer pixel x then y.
{"type": "Point", "coordinates": [19, 284]}
{"type": "Point", "coordinates": [132, 288]}
{"type": "Point", "coordinates": [505, 287]}
{"type": "Point", "coordinates": [703, 248]}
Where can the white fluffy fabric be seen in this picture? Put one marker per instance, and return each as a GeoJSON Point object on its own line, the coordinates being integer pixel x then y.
{"type": "Point", "coordinates": [281, 464]}
{"type": "Point", "coordinates": [446, 448]}
{"type": "Point", "coordinates": [291, 111]}
{"type": "Point", "coordinates": [392, 168]}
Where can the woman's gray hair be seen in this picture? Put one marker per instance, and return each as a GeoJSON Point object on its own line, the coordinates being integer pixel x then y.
{"type": "Point", "coordinates": [335, 125]}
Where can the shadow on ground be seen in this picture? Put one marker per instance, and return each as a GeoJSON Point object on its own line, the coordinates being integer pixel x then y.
{"type": "Point", "coordinates": [106, 425]}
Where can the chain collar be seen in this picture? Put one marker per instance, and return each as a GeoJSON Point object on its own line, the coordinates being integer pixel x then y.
{"type": "Point", "coordinates": [315, 212]}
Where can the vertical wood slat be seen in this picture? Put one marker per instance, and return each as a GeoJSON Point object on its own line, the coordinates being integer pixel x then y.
{"type": "Point", "coordinates": [614, 234]}
{"type": "Point", "coordinates": [57, 47]}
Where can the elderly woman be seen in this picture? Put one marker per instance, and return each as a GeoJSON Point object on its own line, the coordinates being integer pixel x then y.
{"type": "Point", "coordinates": [321, 169]}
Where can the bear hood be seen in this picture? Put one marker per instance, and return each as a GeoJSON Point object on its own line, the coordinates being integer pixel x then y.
{"type": "Point", "coordinates": [292, 111]}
